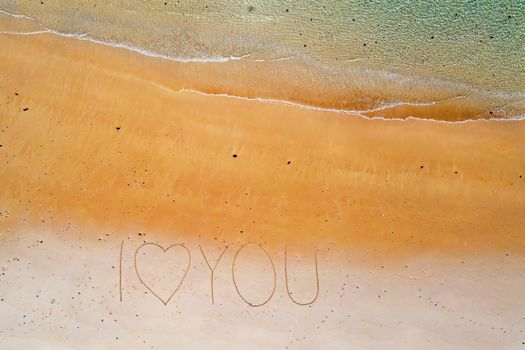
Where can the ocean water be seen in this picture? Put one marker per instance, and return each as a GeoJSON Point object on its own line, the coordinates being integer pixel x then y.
{"type": "Point", "coordinates": [478, 46]}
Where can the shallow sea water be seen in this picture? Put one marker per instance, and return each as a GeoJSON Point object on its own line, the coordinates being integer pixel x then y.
{"type": "Point", "coordinates": [478, 43]}
{"type": "Point", "coordinates": [427, 50]}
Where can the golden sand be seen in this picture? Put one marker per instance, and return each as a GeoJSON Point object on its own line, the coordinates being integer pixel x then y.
{"type": "Point", "coordinates": [104, 138]}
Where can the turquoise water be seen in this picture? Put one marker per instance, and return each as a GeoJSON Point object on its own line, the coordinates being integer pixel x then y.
{"type": "Point", "coordinates": [481, 43]}
{"type": "Point", "coordinates": [478, 43]}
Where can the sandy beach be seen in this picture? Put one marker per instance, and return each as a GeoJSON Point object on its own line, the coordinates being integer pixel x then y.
{"type": "Point", "coordinates": [101, 145]}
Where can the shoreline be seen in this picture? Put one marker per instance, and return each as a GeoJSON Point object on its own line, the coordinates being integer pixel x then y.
{"type": "Point", "coordinates": [374, 112]}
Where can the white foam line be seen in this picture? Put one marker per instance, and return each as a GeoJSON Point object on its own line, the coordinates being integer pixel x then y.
{"type": "Point", "coordinates": [25, 33]}
{"type": "Point", "coordinates": [340, 111]}
{"type": "Point", "coordinates": [84, 36]}
{"type": "Point", "coordinates": [148, 53]}
{"type": "Point", "coordinates": [17, 16]}
{"type": "Point", "coordinates": [416, 104]}
{"type": "Point", "coordinates": [275, 101]}
{"type": "Point", "coordinates": [274, 59]}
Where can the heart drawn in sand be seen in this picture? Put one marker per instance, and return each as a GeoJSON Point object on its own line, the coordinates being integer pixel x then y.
{"type": "Point", "coordinates": [166, 262]}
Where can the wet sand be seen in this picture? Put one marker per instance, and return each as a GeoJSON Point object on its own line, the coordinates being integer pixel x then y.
{"type": "Point", "coordinates": [108, 146]}
{"type": "Point", "coordinates": [101, 145]}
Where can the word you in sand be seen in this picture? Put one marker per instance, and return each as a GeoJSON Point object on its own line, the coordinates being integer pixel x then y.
{"type": "Point", "coordinates": [181, 250]}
